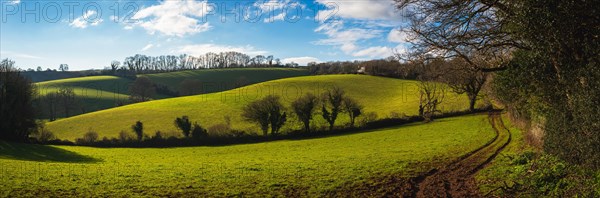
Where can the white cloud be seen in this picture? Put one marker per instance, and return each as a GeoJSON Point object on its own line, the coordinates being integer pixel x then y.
{"type": "Point", "coordinates": [10, 54]}
{"type": "Point", "coordinates": [398, 36]}
{"type": "Point", "coordinates": [201, 49]}
{"type": "Point", "coordinates": [359, 9]}
{"type": "Point", "coordinates": [279, 17]}
{"type": "Point", "coordinates": [174, 17]}
{"type": "Point", "coordinates": [303, 61]}
{"type": "Point", "coordinates": [345, 38]}
{"type": "Point", "coordinates": [147, 47]}
{"type": "Point", "coordinates": [374, 52]}
{"type": "Point", "coordinates": [380, 51]}
{"type": "Point", "coordinates": [14, 2]}
{"type": "Point", "coordinates": [87, 19]}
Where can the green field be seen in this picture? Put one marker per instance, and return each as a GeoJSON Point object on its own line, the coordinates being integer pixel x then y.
{"type": "Point", "coordinates": [305, 167]}
{"type": "Point", "coordinates": [103, 92]}
{"type": "Point", "coordinates": [378, 94]}
{"type": "Point", "coordinates": [93, 93]}
{"type": "Point", "coordinates": [217, 80]}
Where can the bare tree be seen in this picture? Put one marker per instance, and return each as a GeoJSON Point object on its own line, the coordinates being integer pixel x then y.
{"type": "Point", "coordinates": [142, 90]}
{"type": "Point", "coordinates": [50, 104]}
{"type": "Point", "coordinates": [67, 99]}
{"type": "Point", "coordinates": [114, 65]}
{"type": "Point", "coordinates": [431, 95]}
{"type": "Point", "coordinates": [305, 107]}
{"type": "Point", "coordinates": [63, 67]}
{"type": "Point", "coordinates": [332, 105]}
{"type": "Point", "coordinates": [190, 87]}
{"type": "Point", "coordinates": [464, 79]}
{"type": "Point", "coordinates": [265, 112]}
{"type": "Point", "coordinates": [352, 108]}
{"type": "Point", "coordinates": [451, 29]}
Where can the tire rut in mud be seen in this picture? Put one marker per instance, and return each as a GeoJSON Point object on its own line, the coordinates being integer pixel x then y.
{"type": "Point", "coordinates": [457, 178]}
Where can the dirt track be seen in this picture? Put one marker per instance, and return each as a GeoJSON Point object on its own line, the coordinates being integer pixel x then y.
{"type": "Point", "coordinates": [457, 179]}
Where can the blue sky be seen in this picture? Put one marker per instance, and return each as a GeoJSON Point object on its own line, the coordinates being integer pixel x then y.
{"type": "Point", "coordinates": [90, 34]}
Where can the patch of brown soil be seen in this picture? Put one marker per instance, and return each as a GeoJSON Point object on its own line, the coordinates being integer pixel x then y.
{"type": "Point", "coordinates": [451, 180]}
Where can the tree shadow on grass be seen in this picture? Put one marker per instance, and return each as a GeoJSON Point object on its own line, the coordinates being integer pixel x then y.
{"type": "Point", "coordinates": [41, 153]}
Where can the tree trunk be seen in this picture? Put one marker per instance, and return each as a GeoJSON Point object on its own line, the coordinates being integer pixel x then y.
{"type": "Point", "coordinates": [307, 126]}
{"type": "Point", "coordinates": [472, 101]}
{"type": "Point", "coordinates": [265, 131]}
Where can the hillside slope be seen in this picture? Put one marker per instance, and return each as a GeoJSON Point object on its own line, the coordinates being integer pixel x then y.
{"type": "Point", "coordinates": [217, 80]}
{"type": "Point", "coordinates": [92, 93]}
{"type": "Point", "coordinates": [310, 167]}
{"type": "Point", "coordinates": [103, 92]}
{"type": "Point", "coordinates": [379, 95]}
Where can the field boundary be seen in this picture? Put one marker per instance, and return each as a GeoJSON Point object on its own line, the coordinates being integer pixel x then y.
{"type": "Point", "coordinates": [294, 135]}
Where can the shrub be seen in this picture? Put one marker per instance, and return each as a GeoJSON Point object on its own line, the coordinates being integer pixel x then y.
{"type": "Point", "coordinates": [397, 115]}
{"type": "Point", "coordinates": [198, 132]}
{"type": "Point", "coordinates": [158, 136]}
{"type": "Point", "coordinates": [138, 128]}
{"type": "Point", "coordinates": [237, 133]}
{"type": "Point", "coordinates": [219, 130]}
{"type": "Point", "coordinates": [41, 134]}
{"type": "Point", "coordinates": [45, 136]}
{"type": "Point", "coordinates": [125, 137]}
{"type": "Point", "coordinates": [369, 117]}
{"type": "Point", "coordinates": [184, 125]}
{"type": "Point", "coordinates": [88, 138]}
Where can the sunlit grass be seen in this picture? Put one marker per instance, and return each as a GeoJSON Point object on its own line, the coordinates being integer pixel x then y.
{"type": "Point", "coordinates": [312, 165]}
{"type": "Point", "coordinates": [378, 94]}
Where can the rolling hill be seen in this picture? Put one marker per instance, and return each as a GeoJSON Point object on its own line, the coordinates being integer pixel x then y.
{"type": "Point", "coordinates": [379, 95]}
{"type": "Point", "coordinates": [217, 80]}
{"type": "Point", "coordinates": [92, 93]}
{"type": "Point", "coordinates": [310, 167]}
{"type": "Point", "coordinates": [103, 92]}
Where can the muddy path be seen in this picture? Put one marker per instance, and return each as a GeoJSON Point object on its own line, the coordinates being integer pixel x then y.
{"type": "Point", "coordinates": [457, 178]}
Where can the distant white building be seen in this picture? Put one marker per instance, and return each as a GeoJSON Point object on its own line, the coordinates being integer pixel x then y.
{"type": "Point", "coordinates": [361, 70]}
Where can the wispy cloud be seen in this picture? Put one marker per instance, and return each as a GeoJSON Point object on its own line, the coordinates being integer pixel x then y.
{"type": "Point", "coordinates": [10, 54]}
{"type": "Point", "coordinates": [301, 60]}
{"type": "Point", "coordinates": [174, 17]}
{"type": "Point", "coordinates": [86, 20]}
{"type": "Point", "coordinates": [147, 47]}
{"type": "Point", "coordinates": [344, 38]}
{"type": "Point", "coordinates": [374, 52]}
{"type": "Point", "coordinates": [361, 9]}
{"type": "Point", "coordinates": [14, 2]}
{"type": "Point", "coordinates": [200, 49]}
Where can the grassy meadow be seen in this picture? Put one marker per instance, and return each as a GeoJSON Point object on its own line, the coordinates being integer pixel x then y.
{"type": "Point", "coordinates": [217, 80]}
{"type": "Point", "coordinates": [306, 167]}
{"type": "Point", "coordinates": [95, 93]}
{"type": "Point", "coordinates": [92, 93]}
{"type": "Point", "coordinates": [379, 95]}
